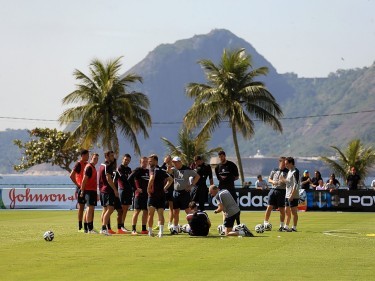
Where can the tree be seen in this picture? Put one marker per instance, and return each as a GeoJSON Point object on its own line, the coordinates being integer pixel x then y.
{"type": "Point", "coordinates": [47, 146]}
{"type": "Point", "coordinates": [106, 107]}
{"type": "Point", "coordinates": [355, 155]}
{"type": "Point", "coordinates": [231, 95]}
{"type": "Point", "coordinates": [190, 146]}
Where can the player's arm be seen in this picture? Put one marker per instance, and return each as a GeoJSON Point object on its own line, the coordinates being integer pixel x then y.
{"type": "Point", "coordinates": [219, 208]}
{"type": "Point", "coordinates": [168, 183]}
{"type": "Point", "coordinates": [73, 178]}
{"type": "Point", "coordinates": [210, 175]}
{"type": "Point", "coordinates": [150, 184]}
{"type": "Point", "coordinates": [235, 172]}
{"type": "Point", "coordinates": [195, 180]}
{"type": "Point", "coordinates": [111, 183]}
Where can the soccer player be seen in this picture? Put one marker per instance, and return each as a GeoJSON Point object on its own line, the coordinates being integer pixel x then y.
{"type": "Point", "coordinates": [76, 176]}
{"type": "Point", "coordinates": [89, 191]}
{"type": "Point", "coordinates": [108, 191]}
{"type": "Point", "coordinates": [200, 192]}
{"type": "Point", "coordinates": [199, 223]}
{"type": "Point", "coordinates": [227, 173]}
{"type": "Point", "coordinates": [292, 193]}
{"type": "Point", "coordinates": [276, 196]}
{"type": "Point", "coordinates": [125, 192]}
{"type": "Point", "coordinates": [159, 182]}
{"type": "Point", "coordinates": [229, 207]}
{"type": "Point", "coordinates": [169, 193]}
{"type": "Point", "coordinates": [184, 179]}
{"type": "Point", "coordinates": [139, 179]}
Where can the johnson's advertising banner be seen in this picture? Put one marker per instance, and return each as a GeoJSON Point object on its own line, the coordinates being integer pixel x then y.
{"type": "Point", "coordinates": [248, 199]}
{"type": "Point", "coordinates": [38, 198]}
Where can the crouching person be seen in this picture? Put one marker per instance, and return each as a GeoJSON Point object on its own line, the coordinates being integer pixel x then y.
{"type": "Point", "coordinates": [231, 211]}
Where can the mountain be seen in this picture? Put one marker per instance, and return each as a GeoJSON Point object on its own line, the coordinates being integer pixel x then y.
{"type": "Point", "coordinates": [170, 67]}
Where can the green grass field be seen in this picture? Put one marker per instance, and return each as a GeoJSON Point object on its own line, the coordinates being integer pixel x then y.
{"type": "Point", "coordinates": [345, 252]}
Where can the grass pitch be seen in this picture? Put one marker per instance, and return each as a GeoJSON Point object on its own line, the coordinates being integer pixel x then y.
{"type": "Point", "coordinates": [328, 246]}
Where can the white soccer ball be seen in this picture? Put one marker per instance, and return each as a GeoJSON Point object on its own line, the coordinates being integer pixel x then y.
{"type": "Point", "coordinates": [259, 228]}
{"type": "Point", "coordinates": [185, 228]}
{"type": "Point", "coordinates": [302, 195]}
{"type": "Point", "coordinates": [221, 229]}
{"type": "Point", "coordinates": [267, 227]}
{"type": "Point", "coordinates": [48, 235]}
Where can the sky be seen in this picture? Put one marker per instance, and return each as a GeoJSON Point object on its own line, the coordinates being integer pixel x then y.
{"type": "Point", "coordinates": [43, 41]}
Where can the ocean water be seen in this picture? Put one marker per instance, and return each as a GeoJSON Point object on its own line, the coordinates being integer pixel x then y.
{"type": "Point", "coordinates": [59, 181]}
{"type": "Point", "coordinates": [35, 181]}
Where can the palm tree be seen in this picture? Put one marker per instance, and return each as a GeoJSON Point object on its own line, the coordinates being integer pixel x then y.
{"type": "Point", "coordinates": [189, 146]}
{"type": "Point", "coordinates": [232, 96]}
{"type": "Point", "coordinates": [106, 107]}
{"type": "Point", "coordinates": [355, 155]}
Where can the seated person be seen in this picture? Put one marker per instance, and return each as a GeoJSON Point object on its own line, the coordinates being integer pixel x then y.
{"type": "Point", "coordinates": [320, 185]}
{"type": "Point", "coordinates": [261, 183]}
{"type": "Point", "coordinates": [199, 223]}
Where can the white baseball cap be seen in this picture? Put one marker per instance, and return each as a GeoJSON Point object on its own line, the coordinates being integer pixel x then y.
{"type": "Point", "coordinates": [176, 159]}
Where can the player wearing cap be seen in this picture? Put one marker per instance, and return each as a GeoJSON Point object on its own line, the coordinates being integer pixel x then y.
{"type": "Point", "coordinates": [184, 179]}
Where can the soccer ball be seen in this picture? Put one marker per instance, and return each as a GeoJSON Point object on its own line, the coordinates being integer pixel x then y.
{"type": "Point", "coordinates": [221, 229]}
{"type": "Point", "coordinates": [267, 227]}
{"type": "Point", "coordinates": [48, 235]}
{"type": "Point", "coordinates": [302, 195]}
{"type": "Point", "coordinates": [259, 228]}
{"type": "Point", "coordinates": [171, 228]}
{"type": "Point", "coordinates": [185, 228]}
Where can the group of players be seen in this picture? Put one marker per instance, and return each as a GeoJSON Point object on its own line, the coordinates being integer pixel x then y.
{"type": "Point", "coordinates": [151, 188]}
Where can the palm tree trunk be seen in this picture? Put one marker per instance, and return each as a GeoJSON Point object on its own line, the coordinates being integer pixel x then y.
{"type": "Point", "coordinates": [239, 161]}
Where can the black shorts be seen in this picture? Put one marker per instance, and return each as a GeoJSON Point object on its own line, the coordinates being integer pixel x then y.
{"type": "Point", "coordinates": [157, 203]}
{"type": "Point", "coordinates": [229, 222]}
{"type": "Point", "coordinates": [125, 197]}
{"type": "Point", "coordinates": [181, 199]}
{"type": "Point", "coordinates": [91, 197]}
{"type": "Point", "coordinates": [276, 198]}
{"type": "Point", "coordinates": [140, 203]}
{"type": "Point", "coordinates": [80, 200]}
{"type": "Point", "coordinates": [169, 193]}
{"type": "Point", "coordinates": [107, 199]}
{"type": "Point", "coordinates": [117, 204]}
{"type": "Point", "coordinates": [293, 203]}
{"type": "Point", "coordinates": [199, 193]}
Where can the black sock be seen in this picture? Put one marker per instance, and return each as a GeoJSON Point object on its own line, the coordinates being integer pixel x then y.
{"type": "Point", "coordinates": [109, 225]}
{"type": "Point", "coordinates": [80, 225]}
{"type": "Point", "coordinates": [90, 225]}
{"type": "Point", "coordinates": [85, 226]}
{"type": "Point", "coordinates": [144, 227]}
{"type": "Point", "coordinates": [119, 225]}
{"type": "Point", "coordinates": [104, 227]}
{"type": "Point", "coordinates": [133, 227]}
